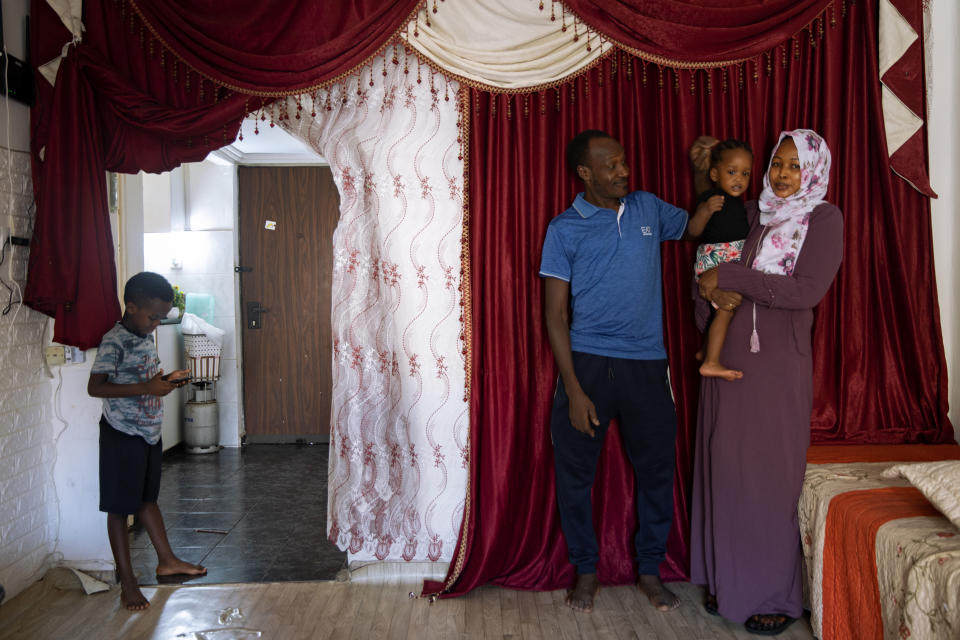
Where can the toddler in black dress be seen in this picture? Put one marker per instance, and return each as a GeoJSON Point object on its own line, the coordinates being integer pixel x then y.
{"type": "Point", "coordinates": [722, 239]}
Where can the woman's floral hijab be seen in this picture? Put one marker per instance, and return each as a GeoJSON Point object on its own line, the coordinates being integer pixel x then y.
{"type": "Point", "coordinates": [786, 220]}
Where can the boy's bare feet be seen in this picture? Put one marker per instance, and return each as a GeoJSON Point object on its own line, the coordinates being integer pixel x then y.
{"type": "Point", "coordinates": [131, 598]}
{"type": "Point", "coordinates": [660, 597]}
{"type": "Point", "coordinates": [584, 591]}
{"type": "Point", "coordinates": [717, 370]}
{"type": "Point", "coordinates": [178, 567]}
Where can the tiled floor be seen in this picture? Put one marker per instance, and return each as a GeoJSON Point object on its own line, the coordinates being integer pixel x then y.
{"type": "Point", "coordinates": [267, 504]}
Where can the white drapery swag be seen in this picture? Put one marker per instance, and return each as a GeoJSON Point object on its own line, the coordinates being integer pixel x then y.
{"type": "Point", "coordinates": [399, 424]}
{"type": "Point", "coordinates": [508, 44]}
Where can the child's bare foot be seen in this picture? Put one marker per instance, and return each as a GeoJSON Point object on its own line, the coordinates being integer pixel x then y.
{"type": "Point", "coordinates": [583, 593]}
{"type": "Point", "coordinates": [717, 370]}
{"type": "Point", "coordinates": [178, 567]}
{"type": "Point", "coordinates": [131, 598]}
{"type": "Point", "coordinates": [699, 355]}
{"type": "Point", "coordinates": [660, 597]}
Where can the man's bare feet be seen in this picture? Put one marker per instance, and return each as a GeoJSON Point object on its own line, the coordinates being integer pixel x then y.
{"type": "Point", "coordinates": [131, 598]}
{"type": "Point", "coordinates": [583, 593]}
{"type": "Point", "coordinates": [180, 568]}
{"type": "Point", "coordinates": [660, 597]}
{"type": "Point", "coordinates": [717, 370]}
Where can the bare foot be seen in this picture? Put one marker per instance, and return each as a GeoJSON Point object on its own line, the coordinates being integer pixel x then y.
{"type": "Point", "coordinates": [583, 593]}
{"type": "Point", "coordinates": [131, 598]}
{"type": "Point", "coordinates": [660, 597]}
{"type": "Point", "coordinates": [180, 568]}
{"type": "Point", "coordinates": [699, 355]}
{"type": "Point", "coordinates": [717, 370]}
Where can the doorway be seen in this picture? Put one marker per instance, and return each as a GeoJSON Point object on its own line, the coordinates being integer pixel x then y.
{"type": "Point", "coordinates": [287, 216]}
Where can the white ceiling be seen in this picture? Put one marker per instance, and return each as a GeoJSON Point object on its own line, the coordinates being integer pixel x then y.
{"type": "Point", "coordinates": [271, 145]}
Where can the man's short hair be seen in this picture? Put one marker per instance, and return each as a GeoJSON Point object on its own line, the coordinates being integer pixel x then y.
{"type": "Point", "coordinates": [146, 286]}
{"type": "Point", "coordinates": [577, 147]}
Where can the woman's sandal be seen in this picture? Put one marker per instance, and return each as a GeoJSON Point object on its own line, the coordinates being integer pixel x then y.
{"type": "Point", "coordinates": [768, 624]}
{"type": "Point", "coordinates": [710, 605]}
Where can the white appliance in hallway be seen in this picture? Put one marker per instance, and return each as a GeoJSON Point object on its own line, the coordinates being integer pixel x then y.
{"type": "Point", "coordinates": [201, 425]}
{"type": "Point", "coordinates": [170, 350]}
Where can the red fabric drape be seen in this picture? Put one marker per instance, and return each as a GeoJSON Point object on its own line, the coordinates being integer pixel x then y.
{"type": "Point", "coordinates": [699, 30]}
{"type": "Point", "coordinates": [905, 78]}
{"type": "Point", "coordinates": [274, 46]}
{"type": "Point", "coordinates": [880, 374]}
{"type": "Point", "coordinates": [125, 101]}
{"type": "Point", "coordinates": [82, 288]}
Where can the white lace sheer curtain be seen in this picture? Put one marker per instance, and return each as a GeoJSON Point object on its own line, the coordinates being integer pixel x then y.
{"type": "Point", "coordinates": [399, 424]}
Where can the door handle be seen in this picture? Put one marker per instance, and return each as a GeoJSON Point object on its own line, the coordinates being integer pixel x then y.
{"type": "Point", "coordinates": [253, 314]}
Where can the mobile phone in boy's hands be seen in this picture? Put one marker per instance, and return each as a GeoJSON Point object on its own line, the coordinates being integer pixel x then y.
{"type": "Point", "coordinates": [179, 377]}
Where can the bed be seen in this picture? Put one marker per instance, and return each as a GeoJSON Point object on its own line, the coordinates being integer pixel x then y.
{"type": "Point", "coordinates": [881, 560]}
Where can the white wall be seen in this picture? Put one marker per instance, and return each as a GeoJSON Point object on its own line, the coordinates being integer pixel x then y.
{"type": "Point", "coordinates": [207, 253]}
{"type": "Point", "coordinates": [27, 496]}
{"type": "Point", "coordinates": [82, 529]}
{"type": "Point", "coordinates": [943, 56]}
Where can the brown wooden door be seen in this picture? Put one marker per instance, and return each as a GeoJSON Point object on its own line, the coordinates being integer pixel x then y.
{"type": "Point", "coordinates": [287, 377]}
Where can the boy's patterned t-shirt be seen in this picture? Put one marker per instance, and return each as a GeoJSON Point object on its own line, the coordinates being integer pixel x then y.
{"type": "Point", "coordinates": [128, 358]}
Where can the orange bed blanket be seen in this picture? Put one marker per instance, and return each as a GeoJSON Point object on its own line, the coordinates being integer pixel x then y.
{"type": "Point", "coordinates": [850, 582]}
{"type": "Point", "coordinates": [844, 504]}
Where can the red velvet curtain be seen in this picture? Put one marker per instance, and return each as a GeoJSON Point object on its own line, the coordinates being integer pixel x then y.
{"type": "Point", "coordinates": [126, 101]}
{"type": "Point", "coordinates": [880, 374]}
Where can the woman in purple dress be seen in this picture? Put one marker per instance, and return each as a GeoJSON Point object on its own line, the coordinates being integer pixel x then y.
{"type": "Point", "coordinates": [753, 433]}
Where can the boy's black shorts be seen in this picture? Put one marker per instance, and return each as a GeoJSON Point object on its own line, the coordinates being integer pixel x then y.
{"type": "Point", "coordinates": [129, 470]}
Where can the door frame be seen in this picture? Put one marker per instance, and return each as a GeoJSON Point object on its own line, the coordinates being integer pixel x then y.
{"type": "Point", "coordinates": [256, 160]}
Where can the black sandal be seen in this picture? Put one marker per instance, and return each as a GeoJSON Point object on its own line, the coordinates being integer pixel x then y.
{"type": "Point", "coordinates": [710, 605]}
{"type": "Point", "coordinates": [757, 626]}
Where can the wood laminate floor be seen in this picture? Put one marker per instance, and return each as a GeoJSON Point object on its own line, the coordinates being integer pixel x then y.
{"type": "Point", "coordinates": [356, 611]}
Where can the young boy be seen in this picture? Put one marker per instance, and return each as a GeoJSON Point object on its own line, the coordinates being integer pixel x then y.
{"type": "Point", "coordinates": [127, 375]}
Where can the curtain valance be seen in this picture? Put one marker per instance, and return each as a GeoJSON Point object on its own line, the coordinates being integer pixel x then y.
{"type": "Point", "coordinates": [521, 46]}
{"type": "Point", "coordinates": [691, 33]}
{"type": "Point", "coordinates": [265, 48]}
{"type": "Point", "coordinates": [526, 46]}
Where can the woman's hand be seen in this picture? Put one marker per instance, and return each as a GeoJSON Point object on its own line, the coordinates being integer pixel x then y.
{"type": "Point", "coordinates": [721, 298]}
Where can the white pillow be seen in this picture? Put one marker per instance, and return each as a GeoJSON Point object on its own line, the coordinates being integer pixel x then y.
{"type": "Point", "coordinates": [938, 481]}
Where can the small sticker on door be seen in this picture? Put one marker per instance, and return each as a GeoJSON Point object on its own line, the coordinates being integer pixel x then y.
{"type": "Point", "coordinates": [270, 225]}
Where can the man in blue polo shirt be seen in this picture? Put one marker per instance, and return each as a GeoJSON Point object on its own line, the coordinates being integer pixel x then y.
{"type": "Point", "coordinates": [601, 257]}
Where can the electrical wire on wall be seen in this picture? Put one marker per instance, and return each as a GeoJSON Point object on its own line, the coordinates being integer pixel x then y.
{"type": "Point", "coordinates": [55, 557]}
